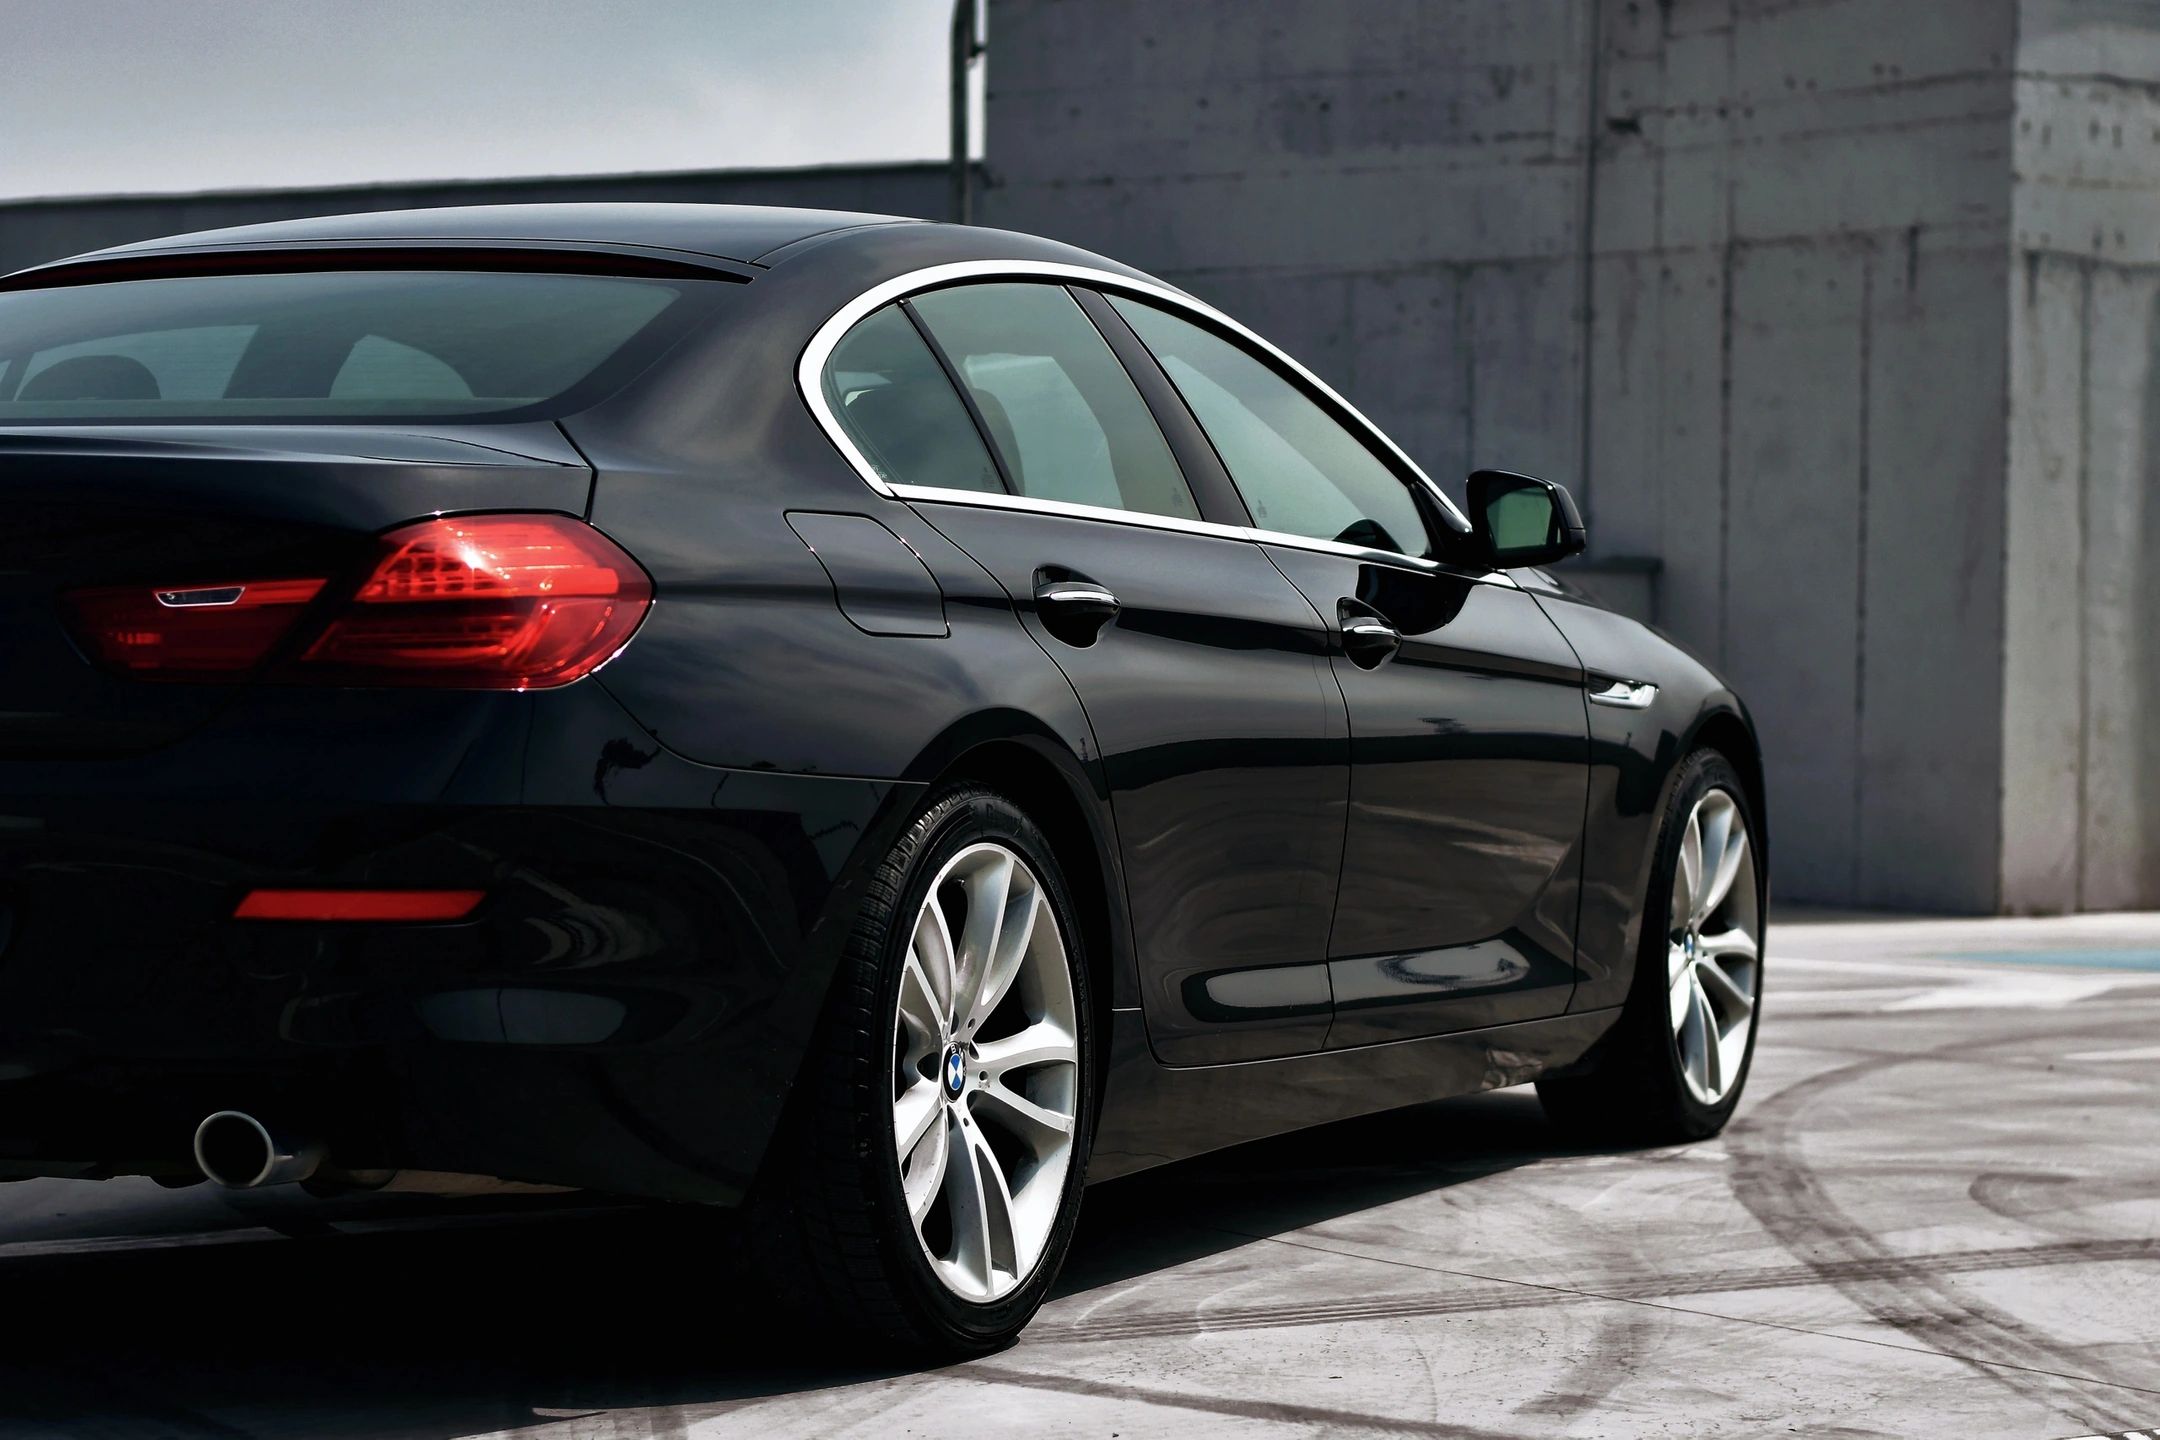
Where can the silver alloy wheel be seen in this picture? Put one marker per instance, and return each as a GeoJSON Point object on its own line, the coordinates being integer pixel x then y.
{"type": "Point", "coordinates": [1713, 967]}
{"type": "Point", "coordinates": [986, 1072]}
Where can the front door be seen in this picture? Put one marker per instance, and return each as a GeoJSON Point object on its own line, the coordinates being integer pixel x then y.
{"type": "Point", "coordinates": [1469, 742]}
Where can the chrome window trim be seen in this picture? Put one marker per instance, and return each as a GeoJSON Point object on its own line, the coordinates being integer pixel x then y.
{"type": "Point", "coordinates": [810, 380]}
{"type": "Point", "coordinates": [997, 500]}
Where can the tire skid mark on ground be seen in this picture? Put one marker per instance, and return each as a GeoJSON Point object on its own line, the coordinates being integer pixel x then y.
{"type": "Point", "coordinates": [1595, 1371]}
{"type": "Point", "coordinates": [1626, 1336]}
{"type": "Point", "coordinates": [1771, 1179]}
{"type": "Point", "coordinates": [1327, 1419]}
{"type": "Point", "coordinates": [2058, 1201]}
{"type": "Point", "coordinates": [1645, 1287]}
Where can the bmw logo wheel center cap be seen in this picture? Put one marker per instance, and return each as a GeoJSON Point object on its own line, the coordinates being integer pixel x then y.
{"type": "Point", "coordinates": [955, 1072]}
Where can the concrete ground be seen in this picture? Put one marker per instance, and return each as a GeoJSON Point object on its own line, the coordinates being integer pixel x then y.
{"type": "Point", "coordinates": [1937, 1214]}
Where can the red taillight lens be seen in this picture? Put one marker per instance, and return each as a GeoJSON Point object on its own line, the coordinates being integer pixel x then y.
{"type": "Point", "coordinates": [491, 602]}
{"type": "Point", "coordinates": [199, 631]}
{"type": "Point", "coordinates": [486, 602]}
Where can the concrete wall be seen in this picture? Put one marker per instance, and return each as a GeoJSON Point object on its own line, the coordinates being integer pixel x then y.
{"type": "Point", "coordinates": [32, 231]}
{"type": "Point", "coordinates": [2082, 672]}
{"type": "Point", "coordinates": [1739, 271]}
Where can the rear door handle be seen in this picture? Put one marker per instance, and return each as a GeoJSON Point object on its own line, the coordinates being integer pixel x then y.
{"type": "Point", "coordinates": [1073, 608]}
{"type": "Point", "coordinates": [1366, 638]}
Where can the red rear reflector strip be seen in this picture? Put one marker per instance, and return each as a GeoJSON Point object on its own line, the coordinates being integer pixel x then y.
{"type": "Point", "coordinates": [358, 904]}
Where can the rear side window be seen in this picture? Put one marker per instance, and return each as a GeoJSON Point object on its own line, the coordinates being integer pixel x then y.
{"type": "Point", "coordinates": [1063, 414]}
{"type": "Point", "coordinates": [896, 404]}
{"type": "Point", "coordinates": [1299, 470]}
{"type": "Point", "coordinates": [329, 345]}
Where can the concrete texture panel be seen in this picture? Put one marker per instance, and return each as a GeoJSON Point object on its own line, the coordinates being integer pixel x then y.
{"type": "Point", "coordinates": [1692, 421]}
{"type": "Point", "coordinates": [2088, 167]}
{"type": "Point", "coordinates": [1797, 49]}
{"type": "Point", "coordinates": [2089, 37]}
{"type": "Point", "coordinates": [1877, 165]}
{"type": "Point", "coordinates": [1625, 508]}
{"type": "Point", "coordinates": [2121, 741]}
{"type": "Point", "coordinates": [1303, 215]}
{"type": "Point", "coordinates": [1140, 44]}
{"type": "Point", "coordinates": [1406, 362]}
{"type": "Point", "coordinates": [1792, 544]}
{"type": "Point", "coordinates": [1929, 763]}
{"type": "Point", "coordinates": [2085, 459]}
{"type": "Point", "coordinates": [2043, 633]}
{"type": "Point", "coordinates": [1524, 351]}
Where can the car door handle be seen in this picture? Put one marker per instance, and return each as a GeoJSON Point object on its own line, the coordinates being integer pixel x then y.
{"type": "Point", "coordinates": [1366, 638]}
{"type": "Point", "coordinates": [1074, 609]}
{"type": "Point", "coordinates": [1622, 694]}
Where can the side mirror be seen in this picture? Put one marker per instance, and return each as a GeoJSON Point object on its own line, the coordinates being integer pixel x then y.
{"type": "Point", "coordinates": [1522, 520]}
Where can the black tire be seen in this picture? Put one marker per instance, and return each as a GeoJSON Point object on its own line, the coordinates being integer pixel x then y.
{"type": "Point", "coordinates": [828, 1222]}
{"type": "Point", "coordinates": [1630, 1090]}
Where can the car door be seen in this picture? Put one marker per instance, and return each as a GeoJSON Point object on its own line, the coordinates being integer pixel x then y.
{"type": "Point", "coordinates": [1469, 740]}
{"type": "Point", "coordinates": [1203, 672]}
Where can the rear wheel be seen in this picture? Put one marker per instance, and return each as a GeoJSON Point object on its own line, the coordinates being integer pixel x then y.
{"type": "Point", "coordinates": [1673, 1066]}
{"type": "Point", "coordinates": [928, 1184]}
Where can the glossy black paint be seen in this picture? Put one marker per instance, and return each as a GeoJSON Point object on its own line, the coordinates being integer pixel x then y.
{"type": "Point", "coordinates": [1226, 759]}
{"type": "Point", "coordinates": [1460, 870]}
{"type": "Point", "coordinates": [1285, 858]}
{"type": "Point", "coordinates": [1633, 755]}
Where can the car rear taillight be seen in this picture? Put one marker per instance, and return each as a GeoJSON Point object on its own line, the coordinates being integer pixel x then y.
{"type": "Point", "coordinates": [481, 602]}
{"type": "Point", "coordinates": [199, 631]}
{"type": "Point", "coordinates": [485, 602]}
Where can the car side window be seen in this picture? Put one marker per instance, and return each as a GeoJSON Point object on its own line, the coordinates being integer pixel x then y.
{"type": "Point", "coordinates": [895, 402]}
{"type": "Point", "coordinates": [1300, 471]}
{"type": "Point", "coordinates": [1065, 417]}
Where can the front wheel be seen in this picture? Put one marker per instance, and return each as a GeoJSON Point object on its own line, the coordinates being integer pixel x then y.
{"type": "Point", "coordinates": [1673, 1065]}
{"type": "Point", "coordinates": [929, 1181]}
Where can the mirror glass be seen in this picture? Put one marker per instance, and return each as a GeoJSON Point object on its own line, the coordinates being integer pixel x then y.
{"type": "Point", "coordinates": [1520, 519]}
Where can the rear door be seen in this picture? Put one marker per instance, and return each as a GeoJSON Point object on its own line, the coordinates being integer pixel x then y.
{"type": "Point", "coordinates": [1469, 744]}
{"type": "Point", "coordinates": [1203, 672]}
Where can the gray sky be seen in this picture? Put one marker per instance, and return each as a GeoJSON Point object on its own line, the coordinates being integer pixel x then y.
{"type": "Point", "coordinates": [105, 96]}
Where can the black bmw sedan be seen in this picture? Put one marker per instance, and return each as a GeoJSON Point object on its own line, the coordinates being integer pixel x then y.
{"type": "Point", "coordinates": [864, 723]}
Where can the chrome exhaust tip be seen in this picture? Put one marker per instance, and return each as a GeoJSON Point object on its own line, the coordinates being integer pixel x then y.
{"type": "Point", "coordinates": [238, 1151]}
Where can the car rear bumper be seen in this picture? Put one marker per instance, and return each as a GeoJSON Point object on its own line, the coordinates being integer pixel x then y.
{"type": "Point", "coordinates": [626, 1009]}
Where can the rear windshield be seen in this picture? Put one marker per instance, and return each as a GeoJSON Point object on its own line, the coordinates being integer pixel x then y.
{"type": "Point", "coordinates": [332, 345]}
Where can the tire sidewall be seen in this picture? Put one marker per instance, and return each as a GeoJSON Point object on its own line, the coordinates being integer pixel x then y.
{"type": "Point", "coordinates": [974, 816]}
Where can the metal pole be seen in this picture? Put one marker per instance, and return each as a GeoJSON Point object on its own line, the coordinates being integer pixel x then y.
{"type": "Point", "coordinates": [965, 48]}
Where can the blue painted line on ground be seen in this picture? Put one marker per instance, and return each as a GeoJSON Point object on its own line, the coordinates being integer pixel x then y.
{"type": "Point", "coordinates": [2080, 959]}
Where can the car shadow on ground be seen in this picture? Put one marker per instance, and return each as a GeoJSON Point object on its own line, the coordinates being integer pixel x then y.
{"type": "Point", "coordinates": [524, 1318]}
